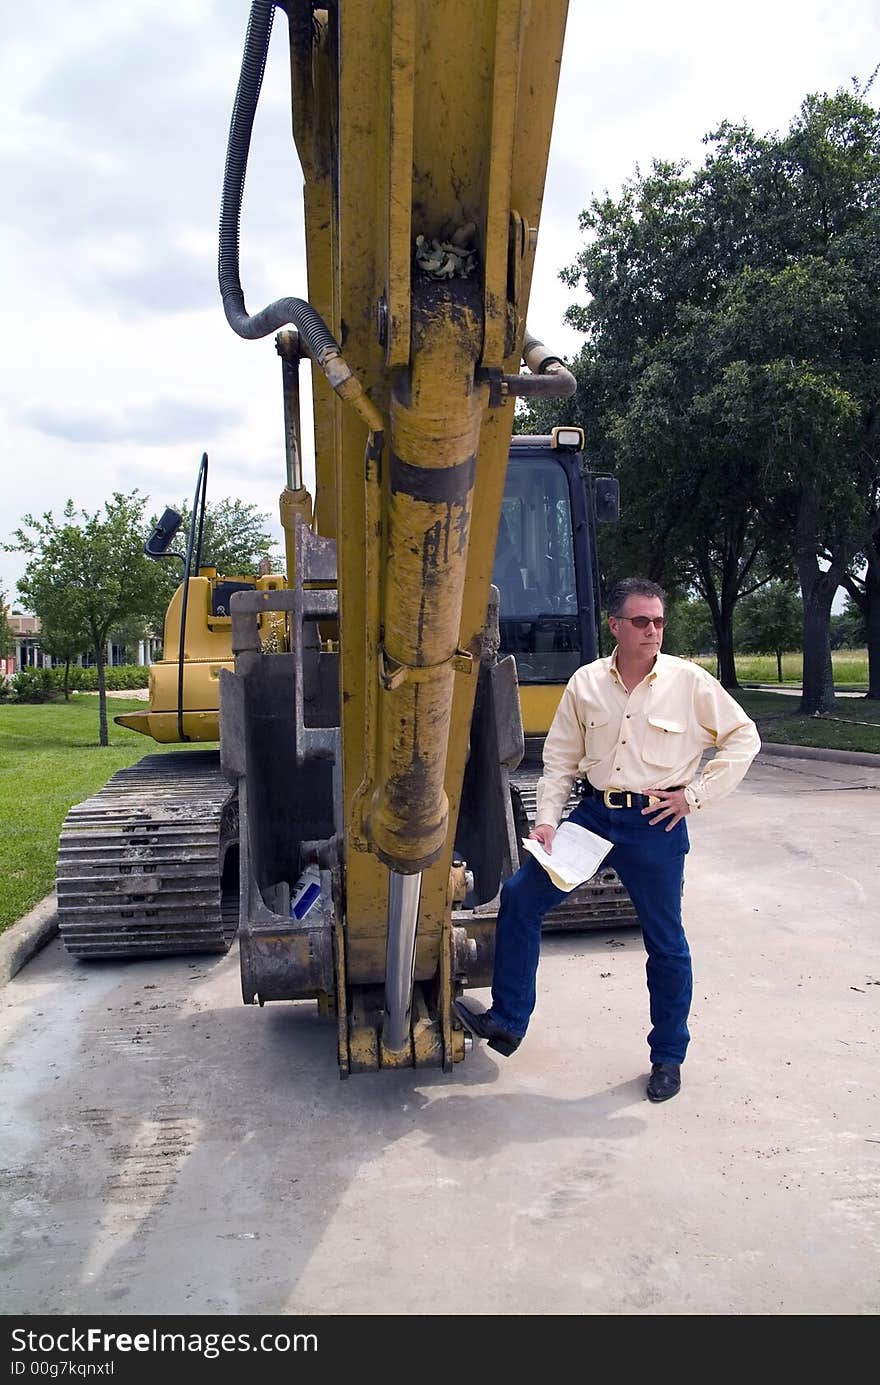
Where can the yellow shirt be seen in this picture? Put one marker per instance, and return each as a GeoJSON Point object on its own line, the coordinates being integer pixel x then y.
{"type": "Point", "coordinates": [651, 738]}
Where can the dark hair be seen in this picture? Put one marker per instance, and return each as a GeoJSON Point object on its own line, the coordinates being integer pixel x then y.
{"type": "Point", "coordinates": [631, 586]}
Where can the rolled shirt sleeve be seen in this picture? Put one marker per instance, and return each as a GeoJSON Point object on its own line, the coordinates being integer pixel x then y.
{"type": "Point", "coordinates": [736, 741]}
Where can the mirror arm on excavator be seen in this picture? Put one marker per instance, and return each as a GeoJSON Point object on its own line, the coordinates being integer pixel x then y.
{"type": "Point", "coordinates": [156, 546]}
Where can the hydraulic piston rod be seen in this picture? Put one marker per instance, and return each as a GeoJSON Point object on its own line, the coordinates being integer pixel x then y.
{"type": "Point", "coordinates": [400, 956]}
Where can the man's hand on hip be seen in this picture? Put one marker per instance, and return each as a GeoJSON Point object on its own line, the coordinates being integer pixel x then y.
{"type": "Point", "coordinates": [671, 807]}
{"type": "Point", "coordinates": [544, 834]}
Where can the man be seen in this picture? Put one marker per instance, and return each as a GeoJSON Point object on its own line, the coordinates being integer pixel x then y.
{"type": "Point", "coordinates": [634, 728]}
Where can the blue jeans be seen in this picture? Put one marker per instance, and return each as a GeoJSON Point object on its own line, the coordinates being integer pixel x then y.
{"type": "Point", "coordinates": [650, 863]}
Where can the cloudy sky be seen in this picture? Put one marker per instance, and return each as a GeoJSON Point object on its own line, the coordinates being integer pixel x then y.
{"type": "Point", "coordinates": [118, 368]}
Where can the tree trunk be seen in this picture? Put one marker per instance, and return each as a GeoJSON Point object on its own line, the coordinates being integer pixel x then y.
{"type": "Point", "coordinates": [101, 656]}
{"type": "Point", "coordinates": [818, 694]}
{"type": "Point", "coordinates": [721, 605]}
{"type": "Point", "coordinates": [779, 665]}
{"type": "Point", "coordinates": [710, 596]}
{"type": "Point", "coordinates": [817, 591]}
{"type": "Point", "coordinates": [726, 661]}
{"type": "Point", "coordinates": [67, 679]}
{"type": "Point", "coordinates": [729, 593]}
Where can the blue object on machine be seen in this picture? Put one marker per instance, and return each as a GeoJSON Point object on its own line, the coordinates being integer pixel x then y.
{"type": "Point", "coordinates": [306, 892]}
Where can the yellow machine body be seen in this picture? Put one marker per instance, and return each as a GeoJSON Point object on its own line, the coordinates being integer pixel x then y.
{"type": "Point", "coordinates": [538, 703]}
{"type": "Point", "coordinates": [446, 124]}
{"type": "Point", "coordinates": [423, 131]}
{"type": "Point", "coordinates": [207, 649]}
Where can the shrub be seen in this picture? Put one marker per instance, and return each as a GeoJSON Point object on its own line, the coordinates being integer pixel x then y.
{"type": "Point", "coordinates": [31, 685]}
{"type": "Point", "coordinates": [115, 679]}
{"type": "Point", "coordinates": [125, 676]}
{"type": "Point", "coordinates": [42, 684]}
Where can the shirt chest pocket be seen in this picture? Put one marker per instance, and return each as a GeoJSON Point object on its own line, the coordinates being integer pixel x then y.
{"type": "Point", "coordinates": [601, 735]}
{"type": "Point", "coordinates": [664, 741]}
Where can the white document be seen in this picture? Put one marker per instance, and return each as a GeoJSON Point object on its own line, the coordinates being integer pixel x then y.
{"type": "Point", "coordinates": [577, 854]}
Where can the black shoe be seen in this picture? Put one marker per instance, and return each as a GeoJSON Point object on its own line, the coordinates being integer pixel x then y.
{"type": "Point", "coordinates": [482, 1026]}
{"type": "Point", "coordinates": [664, 1082]}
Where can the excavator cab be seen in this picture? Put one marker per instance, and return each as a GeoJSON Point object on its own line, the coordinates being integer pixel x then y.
{"type": "Point", "coordinates": [549, 620]}
{"type": "Point", "coordinates": [546, 566]}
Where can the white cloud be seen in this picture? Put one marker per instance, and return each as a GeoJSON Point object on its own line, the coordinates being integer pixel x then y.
{"type": "Point", "coordinates": [118, 368]}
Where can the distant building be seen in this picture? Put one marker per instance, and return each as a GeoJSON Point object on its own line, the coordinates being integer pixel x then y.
{"type": "Point", "coordinates": [27, 651]}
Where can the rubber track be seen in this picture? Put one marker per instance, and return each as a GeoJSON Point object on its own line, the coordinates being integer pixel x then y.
{"type": "Point", "coordinates": [140, 863]}
{"type": "Point", "coordinates": [602, 902]}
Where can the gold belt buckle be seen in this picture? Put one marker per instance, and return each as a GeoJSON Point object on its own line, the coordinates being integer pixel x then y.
{"type": "Point", "coordinates": [608, 794]}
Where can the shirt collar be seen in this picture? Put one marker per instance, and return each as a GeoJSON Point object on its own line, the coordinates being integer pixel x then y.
{"type": "Point", "coordinates": [651, 677]}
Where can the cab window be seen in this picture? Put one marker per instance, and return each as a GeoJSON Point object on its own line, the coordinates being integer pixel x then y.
{"type": "Point", "coordinates": [534, 572]}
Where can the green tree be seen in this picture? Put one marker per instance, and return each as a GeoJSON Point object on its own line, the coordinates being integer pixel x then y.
{"type": "Point", "coordinates": [689, 629]}
{"type": "Point", "coordinates": [235, 541]}
{"type": "Point", "coordinates": [785, 394]}
{"type": "Point", "coordinates": [729, 373]}
{"type": "Point", "coordinates": [806, 335]}
{"type": "Point", "coordinates": [64, 632]}
{"type": "Point", "coordinates": [655, 264]}
{"type": "Point", "coordinates": [93, 566]}
{"type": "Point", "coordinates": [702, 509]}
{"type": "Point", "coordinates": [770, 621]}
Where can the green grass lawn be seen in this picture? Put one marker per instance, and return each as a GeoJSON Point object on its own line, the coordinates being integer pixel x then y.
{"type": "Point", "coordinates": [854, 724]}
{"type": "Point", "coordinates": [850, 668]}
{"type": "Point", "coordinates": [50, 759]}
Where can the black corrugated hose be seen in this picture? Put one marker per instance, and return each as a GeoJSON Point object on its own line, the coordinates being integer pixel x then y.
{"type": "Point", "coordinates": [316, 337]}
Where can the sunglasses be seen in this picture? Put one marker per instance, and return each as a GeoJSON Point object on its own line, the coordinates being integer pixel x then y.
{"type": "Point", "coordinates": [642, 622]}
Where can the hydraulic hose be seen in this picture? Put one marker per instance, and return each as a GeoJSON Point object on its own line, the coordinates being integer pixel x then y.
{"type": "Point", "coordinates": [316, 337]}
{"type": "Point", "coordinates": [549, 378]}
{"type": "Point", "coordinates": [253, 66]}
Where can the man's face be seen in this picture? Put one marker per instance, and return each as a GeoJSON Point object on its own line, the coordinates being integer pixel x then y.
{"type": "Point", "coordinates": [631, 641]}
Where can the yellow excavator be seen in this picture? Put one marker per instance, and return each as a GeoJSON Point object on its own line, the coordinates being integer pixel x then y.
{"type": "Point", "coordinates": [357, 822]}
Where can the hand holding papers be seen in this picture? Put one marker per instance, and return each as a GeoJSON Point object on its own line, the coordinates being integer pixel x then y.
{"type": "Point", "coordinates": [577, 854]}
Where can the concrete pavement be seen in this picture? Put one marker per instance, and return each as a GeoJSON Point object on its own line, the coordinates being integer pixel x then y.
{"type": "Point", "coordinates": [168, 1150]}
